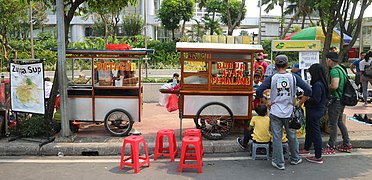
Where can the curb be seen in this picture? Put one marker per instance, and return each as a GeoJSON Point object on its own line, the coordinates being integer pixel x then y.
{"type": "Point", "coordinates": [114, 148]}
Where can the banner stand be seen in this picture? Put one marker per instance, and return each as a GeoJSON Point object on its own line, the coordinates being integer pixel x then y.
{"type": "Point", "coordinates": [27, 94]}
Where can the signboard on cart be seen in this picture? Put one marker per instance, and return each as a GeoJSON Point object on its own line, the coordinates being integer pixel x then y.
{"type": "Point", "coordinates": [27, 87]}
{"type": "Point", "coordinates": [295, 45]}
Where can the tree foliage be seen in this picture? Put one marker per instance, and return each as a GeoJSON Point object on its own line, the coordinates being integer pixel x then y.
{"type": "Point", "coordinates": [232, 13]}
{"type": "Point", "coordinates": [171, 12]}
{"type": "Point", "coordinates": [13, 15]}
{"type": "Point", "coordinates": [211, 22]}
{"type": "Point", "coordinates": [132, 24]}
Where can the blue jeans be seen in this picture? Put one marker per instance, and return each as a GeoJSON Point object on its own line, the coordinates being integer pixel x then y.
{"type": "Point", "coordinates": [277, 132]}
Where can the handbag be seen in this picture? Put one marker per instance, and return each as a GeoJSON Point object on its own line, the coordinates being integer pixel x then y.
{"type": "Point", "coordinates": [297, 117]}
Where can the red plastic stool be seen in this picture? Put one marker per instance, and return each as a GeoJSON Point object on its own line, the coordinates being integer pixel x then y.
{"type": "Point", "coordinates": [134, 159]}
{"type": "Point", "coordinates": [186, 142]}
{"type": "Point", "coordinates": [159, 146]}
{"type": "Point", "coordinates": [196, 133]}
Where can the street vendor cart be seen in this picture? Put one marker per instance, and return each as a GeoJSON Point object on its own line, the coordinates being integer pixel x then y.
{"type": "Point", "coordinates": [105, 86]}
{"type": "Point", "coordinates": [216, 85]}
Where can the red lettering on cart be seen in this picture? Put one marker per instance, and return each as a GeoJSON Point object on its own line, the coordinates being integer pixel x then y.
{"type": "Point", "coordinates": [127, 66]}
{"type": "Point", "coordinates": [99, 66]}
{"type": "Point", "coordinates": [110, 64]}
{"type": "Point", "coordinates": [121, 66]}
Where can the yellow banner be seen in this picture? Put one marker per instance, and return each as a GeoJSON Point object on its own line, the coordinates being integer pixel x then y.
{"type": "Point", "coordinates": [295, 45]}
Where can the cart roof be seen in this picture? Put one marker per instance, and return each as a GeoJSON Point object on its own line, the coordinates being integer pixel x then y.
{"type": "Point", "coordinates": [134, 51]}
{"type": "Point", "coordinates": [218, 47]}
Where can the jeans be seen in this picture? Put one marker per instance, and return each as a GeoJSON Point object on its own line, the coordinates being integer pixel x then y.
{"type": "Point", "coordinates": [313, 134]}
{"type": "Point", "coordinates": [335, 111]}
{"type": "Point", "coordinates": [247, 137]}
{"type": "Point", "coordinates": [365, 80]}
{"type": "Point", "coordinates": [277, 132]}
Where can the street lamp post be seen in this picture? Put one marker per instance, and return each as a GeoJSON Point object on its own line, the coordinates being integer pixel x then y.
{"type": "Point", "coordinates": [259, 24]}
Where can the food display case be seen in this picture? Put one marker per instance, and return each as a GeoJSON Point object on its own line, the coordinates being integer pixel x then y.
{"type": "Point", "coordinates": [105, 86]}
{"type": "Point", "coordinates": [216, 85]}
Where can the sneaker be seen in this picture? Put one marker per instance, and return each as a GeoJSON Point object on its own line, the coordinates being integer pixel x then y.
{"type": "Point", "coordinates": [280, 167]}
{"type": "Point", "coordinates": [365, 104]}
{"type": "Point", "coordinates": [328, 150]}
{"type": "Point", "coordinates": [295, 162]}
{"type": "Point", "coordinates": [313, 159]}
{"type": "Point", "coordinates": [240, 143]}
{"type": "Point", "coordinates": [304, 152]}
{"type": "Point", "coordinates": [345, 148]}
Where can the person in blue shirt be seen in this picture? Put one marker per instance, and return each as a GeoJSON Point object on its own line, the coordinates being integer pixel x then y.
{"type": "Point", "coordinates": [296, 70]}
{"type": "Point", "coordinates": [357, 70]}
{"type": "Point", "coordinates": [282, 87]}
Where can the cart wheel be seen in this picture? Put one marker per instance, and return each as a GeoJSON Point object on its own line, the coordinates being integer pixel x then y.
{"type": "Point", "coordinates": [215, 120]}
{"type": "Point", "coordinates": [118, 122]}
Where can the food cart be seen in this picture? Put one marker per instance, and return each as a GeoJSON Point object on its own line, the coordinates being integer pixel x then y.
{"type": "Point", "coordinates": [105, 86]}
{"type": "Point", "coordinates": [216, 85]}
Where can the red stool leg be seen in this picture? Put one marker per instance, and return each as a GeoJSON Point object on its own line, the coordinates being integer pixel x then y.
{"type": "Point", "coordinates": [135, 155]}
{"type": "Point", "coordinates": [157, 147]}
{"type": "Point", "coordinates": [199, 160]}
{"type": "Point", "coordinates": [146, 153]}
{"type": "Point", "coordinates": [122, 155]}
{"type": "Point", "coordinates": [182, 158]}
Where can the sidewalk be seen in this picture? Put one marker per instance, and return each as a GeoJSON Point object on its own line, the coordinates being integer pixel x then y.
{"type": "Point", "coordinates": [94, 138]}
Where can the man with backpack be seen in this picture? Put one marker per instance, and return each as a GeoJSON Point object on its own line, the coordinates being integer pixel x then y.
{"type": "Point", "coordinates": [365, 67]}
{"type": "Point", "coordinates": [337, 76]}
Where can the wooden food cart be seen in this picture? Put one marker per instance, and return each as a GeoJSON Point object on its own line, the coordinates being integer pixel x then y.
{"type": "Point", "coordinates": [105, 86]}
{"type": "Point", "coordinates": [216, 85]}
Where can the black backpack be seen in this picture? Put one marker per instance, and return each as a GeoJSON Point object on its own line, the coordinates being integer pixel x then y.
{"type": "Point", "coordinates": [350, 94]}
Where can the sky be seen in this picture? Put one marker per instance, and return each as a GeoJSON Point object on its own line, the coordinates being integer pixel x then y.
{"type": "Point", "coordinates": [254, 12]}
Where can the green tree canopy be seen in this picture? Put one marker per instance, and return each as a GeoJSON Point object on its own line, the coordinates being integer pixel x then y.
{"type": "Point", "coordinates": [232, 13]}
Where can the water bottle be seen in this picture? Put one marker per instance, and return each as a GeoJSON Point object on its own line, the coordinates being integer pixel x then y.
{"type": "Point", "coordinates": [174, 83]}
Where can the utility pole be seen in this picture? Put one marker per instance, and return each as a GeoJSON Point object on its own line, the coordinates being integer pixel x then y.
{"type": "Point", "coordinates": [259, 25]}
{"type": "Point", "coordinates": [145, 32]}
{"type": "Point", "coordinates": [61, 50]}
{"type": "Point", "coordinates": [31, 33]}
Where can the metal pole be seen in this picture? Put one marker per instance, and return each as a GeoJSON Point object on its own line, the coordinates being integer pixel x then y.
{"type": "Point", "coordinates": [31, 33]}
{"type": "Point", "coordinates": [259, 25]}
{"type": "Point", "coordinates": [61, 49]}
{"type": "Point", "coordinates": [145, 32]}
{"type": "Point", "coordinates": [361, 39]}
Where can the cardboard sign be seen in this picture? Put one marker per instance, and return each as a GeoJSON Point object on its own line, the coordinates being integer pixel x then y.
{"type": "Point", "coordinates": [27, 88]}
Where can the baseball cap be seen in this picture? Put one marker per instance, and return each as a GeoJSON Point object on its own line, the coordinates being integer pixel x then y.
{"type": "Point", "coordinates": [333, 56]}
{"type": "Point", "coordinates": [281, 59]}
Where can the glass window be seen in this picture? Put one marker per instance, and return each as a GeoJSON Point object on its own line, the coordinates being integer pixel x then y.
{"type": "Point", "coordinates": [79, 71]}
{"type": "Point", "coordinates": [195, 80]}
{"type": "Point", "coordinates": [195, 66]}
{"type": "Point", "coordinates": [230, 73]}
{"type": "Point", "coordinates": [115, 72]}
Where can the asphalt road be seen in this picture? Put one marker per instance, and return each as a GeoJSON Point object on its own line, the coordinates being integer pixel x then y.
{"type": "Point", "coordinates": [356, 165]}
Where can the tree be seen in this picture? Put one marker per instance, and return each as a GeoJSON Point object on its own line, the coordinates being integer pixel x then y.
{"type": "Point", "coordinates": [109, 13]}
{"type": "Point", "coordinates": [212, 7]}
{"type": "Point", "coordinates": [348, 24]}
{"type": "Point", "coordinates": [333, 12]}
{"type": "Point", "coordinates": [169, 15]}
{"type": "Point", "coordinates": [13, 14]}
{"type": "Point", "coordinates": [132, 24]}
{"type": "Point", "coordinates": [232, 13]}
{"type": "Point", "coordinates": [71, 8]}
{"type": "Point", "coordinates": [186, 8]}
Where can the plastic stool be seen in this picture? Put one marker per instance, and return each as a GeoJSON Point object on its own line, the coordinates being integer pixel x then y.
{"type": "Point", "coordinates": [285, 150]}
{"type": "Point", "coordinates": [172, 144]}
{"type": "Point", "coordinates": [134, 159]}
{"type": "Point", "coordinates": [186, 142]}
{"type": "Point", "coordinates": [256, 146]}
{"type": "Point", "coordinates": [196, 133]}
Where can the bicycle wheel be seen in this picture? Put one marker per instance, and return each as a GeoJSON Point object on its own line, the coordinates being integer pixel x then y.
{"type": "Point", "coordinates": [215, 120]}
{"type": "Point", "coordinates": [118, 122]}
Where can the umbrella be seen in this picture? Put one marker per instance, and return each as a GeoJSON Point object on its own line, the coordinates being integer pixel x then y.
{"type": "Point", "coordinates": [316, 33]}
